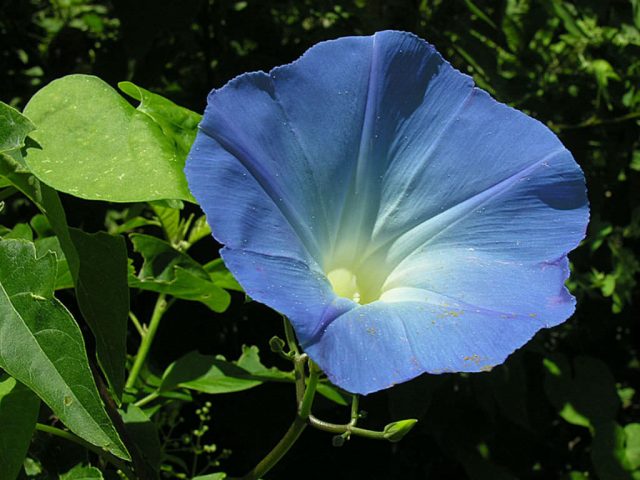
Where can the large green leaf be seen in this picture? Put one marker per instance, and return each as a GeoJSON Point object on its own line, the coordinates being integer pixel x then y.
{"type": "Point", "coordinates": [95, 145]}
{"type": "Point", "coordinates": [19, 408]}
{"type": "Point", "coordinates": [167, 270]}
{"type": "Point", "coordinates": [42, 346]}
{"type": "Point", "coordinates": [103, 296]}
{"type": "Point", "coordinates": [94, 288]}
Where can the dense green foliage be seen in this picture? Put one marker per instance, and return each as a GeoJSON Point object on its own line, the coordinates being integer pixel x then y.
{"type": "Point", "coordinates": [566, 406]}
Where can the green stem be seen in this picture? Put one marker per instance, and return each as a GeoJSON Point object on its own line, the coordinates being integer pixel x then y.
{"type": "Point", "coordinates": [136, 323]}
{"type": "Point", "coordinates": [279, 451]}
{"type": "Point", "coordinates": [298, 425]}
{"type": "Point", "coordinates": [304, 410]}
{"type": "Point", "coordinates": [299, 377]}
{"type": "Point", "coordinates": [290, 336]}
{"type": "Point", "coordinates": [355, 414]}
{"type": "Point", "coordinates": [145, 345]}
{"type": "Point", "coordinates": [116, 462]}
{"type": "Point", "coordinates": [345, 428]}
{"type": "Point", "coordinates": [148, 399]}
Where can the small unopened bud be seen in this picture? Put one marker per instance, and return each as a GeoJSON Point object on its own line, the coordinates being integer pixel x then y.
{"type": "Point", "coordinates": [396, 430]}
{"type": "Point", "coordinates": [276, 344]}
{"type": "Point", "coordinates": [337, 441]}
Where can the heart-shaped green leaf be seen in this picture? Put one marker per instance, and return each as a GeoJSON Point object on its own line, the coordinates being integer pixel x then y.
{"type": "Point", "coordinates": [95, 145]}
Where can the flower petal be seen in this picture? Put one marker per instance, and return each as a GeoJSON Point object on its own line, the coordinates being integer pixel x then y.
{"type": "Point", "coordinates": [495, 177]}
{"type": "Point", "coordinates": [271, 167]}
{"type": "Point", "coordinates": [381, 344]}
{"type": "Point", "coordinates": [481, 282]}
{"type": "Point", "coordinates": [261, 247]}
{"type": "Point", "coordinates": [288, 286]}
{"type": "Point", "coordinates": [297, 131]}
{"type": "Point", "coordinates": [373, 157]}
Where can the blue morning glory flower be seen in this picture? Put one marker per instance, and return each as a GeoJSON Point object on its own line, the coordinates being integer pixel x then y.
{"type": "Point", "coordinates": [401, 218]}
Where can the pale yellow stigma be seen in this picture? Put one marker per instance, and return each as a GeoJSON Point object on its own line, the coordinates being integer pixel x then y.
{"type": "Point", "coordinates": [344, 283]}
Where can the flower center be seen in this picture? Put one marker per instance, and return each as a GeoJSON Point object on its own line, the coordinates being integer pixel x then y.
{"type": "Point", "coordinates": [345, 283]}
{"type": "Point", "coordinates": [349, 284]}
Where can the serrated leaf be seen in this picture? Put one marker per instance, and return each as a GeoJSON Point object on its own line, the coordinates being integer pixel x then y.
{"type": "Point", "coordinates": [167, 270]}
{"type": "Point", "coordinates": [80, 472]}
{"type": "Point", "coordinates": [42, 346]}
{"type": "Point", "coordinates": [19, 408]}
{"type": "Point", "coordinates": [119, 153]}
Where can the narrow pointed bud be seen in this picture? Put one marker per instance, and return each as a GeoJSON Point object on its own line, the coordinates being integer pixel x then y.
{"type": "Point", "coordinates": [394, 432]}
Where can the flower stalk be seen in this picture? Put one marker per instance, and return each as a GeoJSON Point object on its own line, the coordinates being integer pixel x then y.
{"type": "Point", "coordinates": [305, 393]}
{"type": "Point", "coordinates": [306, 388]}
